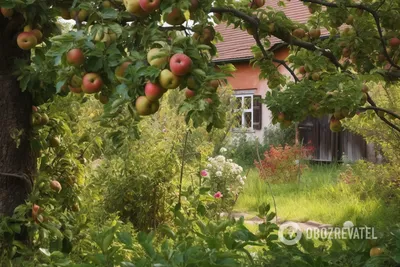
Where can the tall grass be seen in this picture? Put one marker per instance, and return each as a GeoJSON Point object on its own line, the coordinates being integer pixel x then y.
{"type": "Point", "coordinates": [317, 197]}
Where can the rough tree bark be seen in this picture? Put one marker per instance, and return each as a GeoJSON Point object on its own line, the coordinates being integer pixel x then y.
{"type": "Point", "coordinates": [17, 162]}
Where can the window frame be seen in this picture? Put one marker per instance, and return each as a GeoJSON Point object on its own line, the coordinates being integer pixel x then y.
{"type": "Point", "coordinates": [243, 111]}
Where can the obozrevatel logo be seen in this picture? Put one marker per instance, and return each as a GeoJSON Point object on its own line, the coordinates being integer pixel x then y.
{"type": "Point", "coordinates": [292, 230]}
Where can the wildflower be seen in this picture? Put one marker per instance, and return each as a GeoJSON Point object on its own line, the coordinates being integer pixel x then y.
{"type": "Point", "coordinates": [204, 173]}
{"type": "Point", "coordinates": [220, 158]}
{"type": "Point", "coordinates": [218, 195]}
{"type": "Point", "coordinates": [223, 150]}
{"type": "Point", "coordinates": [218, 173]}
{"type": "Point", "coordinates": [209, 166]}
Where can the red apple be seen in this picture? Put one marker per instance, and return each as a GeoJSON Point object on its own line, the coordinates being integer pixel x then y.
{"type": "Point", "coordinates": [299, 33]}
{"type": "Point", "coordinates": [34, 109]}
{"type": "Point", "coordinates": [38, 34]}
{"type": "Point", "coordinates": [133, 6]}
{"type": "Point", "coordinates": [281, 117]}
{"type": "Point", "coordinates": [26, 40]}
{"type": "Point", "coordinates": [175, 17]}
{"type": "Point", "coordinates": [394, 42]}
{"type": "Point", "coordinates": [194, 4]}
{"type": "Point", "coordinates": [55, 185]}
{"type": "Point", "coordinates": [257, 3]}
{"type": "Point", "coordinates": [120, 70]}
{"type": "Point", "coordinates": [180, 64]}
{"type": "Point", "coordinates": [302, 70]}
{"type": "Point", "coordinates": [153, 91]}
{"type": "Point", "coordinates": [7, 12]}
{"type": "Point", "coordinates": [189, 93]}
{"type": "Point", "coordinates": [208, 100]}
{"type": "Point", "coordinates": [149, 5]}
{"type": "Point", "coordinates": [91, 83]}
{"type": "Point", "coordinates": [315, 33]}
{"type": "Point", "coordinates": [75, 57]}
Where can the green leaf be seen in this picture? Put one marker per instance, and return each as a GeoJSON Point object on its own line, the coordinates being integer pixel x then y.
{"type": "Point", "coordinates": [125, 238]}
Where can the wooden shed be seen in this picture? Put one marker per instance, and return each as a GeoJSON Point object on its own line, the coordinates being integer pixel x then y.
{"type": "Point", "coordinates": [331, 146]}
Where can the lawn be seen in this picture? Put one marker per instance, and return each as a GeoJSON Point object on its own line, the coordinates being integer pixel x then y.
{"type": "Point", "coordinates": [318, 197]}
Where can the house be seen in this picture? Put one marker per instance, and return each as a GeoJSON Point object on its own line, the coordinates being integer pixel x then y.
{"type": "Point", "coordinates": [236, 49]}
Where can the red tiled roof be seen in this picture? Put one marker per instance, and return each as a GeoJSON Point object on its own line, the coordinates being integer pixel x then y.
{"type": "Point", "coordinates": [237, 43]}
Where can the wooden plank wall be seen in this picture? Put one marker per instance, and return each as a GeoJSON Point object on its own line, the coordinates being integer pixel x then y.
{"type": "Point", "coordinates": [330, 146]}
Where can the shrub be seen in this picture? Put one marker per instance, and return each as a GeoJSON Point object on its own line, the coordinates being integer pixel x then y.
{"type": "Point", "coordinates": [282, 164]}
{"type": "Point", "coordinates": [224, 179]}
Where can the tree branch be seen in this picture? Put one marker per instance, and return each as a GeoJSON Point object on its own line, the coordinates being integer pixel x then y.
{"type": "Point", "coordinates": [374, 14]}
{"type": "Point", "coordinates": [377, 109]}
{"type": "Point", "coordinates": [255, 22]}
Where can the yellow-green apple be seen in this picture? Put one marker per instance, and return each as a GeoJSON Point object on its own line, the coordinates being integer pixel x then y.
{"type": "Point", "coordinates": [168, 80]}
{"type": "Point", "coordinates": [153, 91]}
{"type": "Point", "coordinates": [338, 114]}
{"type": "Point", "coordinates": [106, 4]}
{"type": "Point", "coordinates": [191, 83]}
{"type": "Point", "coordinates": [157, 58]}
{"type": "Point", "coordinates": [65, 14]}
{"type": "Point", "coordinates": [394, 42]}
{"type": "Point", "coordinates": [180, 64]}
{"type": "Point", "coordinates": [149, 5]}
{"type": "Point", "coordinates": [26, 40]}
{"type": "Point", "coordinates": [375, 251]}
{"type": "Point", "coordinates": [155, 105]}
{"type": "Point", "coordinates": [120, 70]}
{"type": "Point", "coordinates": [44, 119]}
{"type": "Point", "coordinates": [55, 185]}
{"type": "Point", "coordinates": [189, 93]}
{"type": "Point", "coordinates": [315, 33]}
{"type": "Point", "coordinates": [75, 57]}
{"type": "Point", "coordinates": [281, 117]}
{"type": "Point", "coordinates": [75, 84]}
{"type": "Point", "coordinates": [365, 88]}
{"type": "Point", "coordinates": [106, 39]}
{"type": "Point", "coordinates": [299, 33]}
{"type": "Point", "coordinates": [103, 99]}
{"type": "Point", "coordinates": [350, 20]}
{"type": "Point", "coordinates": [133, 6]}
{"type": "Point", "coordinates": [54, 141]}
{"type": "Point", "coordinates": [335, 125]}
{"type": "Point", "coordinates": [7, 12]}
{"type": "Point", "coordinates": [91, 83]}
{"type": "Point", "coordinates": [143, 106]}
{"type": "Point", "coordinates": [175, 17]}
{"type": "Point", "coordinates": [315, 76]}
{"type": "Point", "coordinates": [38, 34]}
{"type": "Point", "coordinates": [286, 123]}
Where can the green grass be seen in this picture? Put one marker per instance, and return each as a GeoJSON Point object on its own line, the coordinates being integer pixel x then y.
{"type": "Point", "coordinates": [318, 197]}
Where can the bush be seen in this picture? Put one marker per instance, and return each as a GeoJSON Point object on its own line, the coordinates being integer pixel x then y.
{"type": "Point", "coordinates": [224, 179]}
{"type": "Point", "coordinates": [243, 149]}
{"type": "Point", "coordinates": [283, 164]}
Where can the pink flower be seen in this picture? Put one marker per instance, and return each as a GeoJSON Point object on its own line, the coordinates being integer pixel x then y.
{"type": "Point", "coordinates": [218, 195]}
{"type": "Point", "coordinates": [204, 173]}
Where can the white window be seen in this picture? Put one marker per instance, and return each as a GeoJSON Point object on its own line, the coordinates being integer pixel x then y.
{"type": "Point", "coordinates": [244, 108]}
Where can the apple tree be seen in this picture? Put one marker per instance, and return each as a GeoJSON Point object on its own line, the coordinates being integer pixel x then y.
{"type": "Point", "coordinates": [128, 54]}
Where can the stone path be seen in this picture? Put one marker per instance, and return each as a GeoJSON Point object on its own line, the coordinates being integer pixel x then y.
{"type": "Point", "coordinates": [251, 219]}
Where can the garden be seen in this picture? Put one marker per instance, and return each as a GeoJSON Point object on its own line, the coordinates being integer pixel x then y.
{"type": "Point", "coordinates": [117, 145]}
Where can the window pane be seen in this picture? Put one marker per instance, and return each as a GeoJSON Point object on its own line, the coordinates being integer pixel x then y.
{"type": "Point", "coordinates": [238, 119]}
{"type": "Point", "coordinates": [247, 119]}
{"type": "Point", "coordinates": [247, 102]}
{"type": "Point", "coordinates": [238, 104]}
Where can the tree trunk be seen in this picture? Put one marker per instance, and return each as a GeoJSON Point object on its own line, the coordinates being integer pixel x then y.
{"type": "Point", "coordinates": [17, 162]}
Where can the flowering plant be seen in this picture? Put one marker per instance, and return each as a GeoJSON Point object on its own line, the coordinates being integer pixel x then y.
{"type": "Point", "coordinates": [283, 164]}
{"type": "Point", "coordinates": [224, 178]}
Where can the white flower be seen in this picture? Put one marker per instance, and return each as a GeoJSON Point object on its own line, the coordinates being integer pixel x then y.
{"type": "Point", "coordinates": [220, 158]}
{"type": "Point", "coordinates": [296, 162]}
{"type": "Point", "coordinates": [209, 166]}
{"type": "Point", "coordinates": [241, 181]}
{"type": "Point", "coordinates": [223, 150]}
{"type": "Point", "coordinates": [218, 173]}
